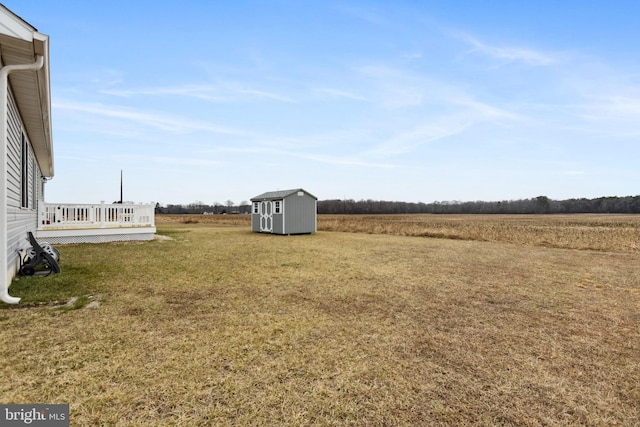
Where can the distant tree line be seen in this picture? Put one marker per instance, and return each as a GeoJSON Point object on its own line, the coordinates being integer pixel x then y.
{"type": "Point", "coordinates": [202, 208]}
{"type": "Point", "coordinates": [536, 205]}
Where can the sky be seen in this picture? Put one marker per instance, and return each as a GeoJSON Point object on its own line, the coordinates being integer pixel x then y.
{"type": "Point", "coordinates": [416, 101]}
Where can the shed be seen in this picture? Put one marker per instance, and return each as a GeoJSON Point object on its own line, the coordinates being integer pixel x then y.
{"type": "Point", "coordinates": [284, 212]}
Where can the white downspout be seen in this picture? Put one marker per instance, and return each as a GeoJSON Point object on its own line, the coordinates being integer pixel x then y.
{"type": "Point", "coordinates": [4, 240]}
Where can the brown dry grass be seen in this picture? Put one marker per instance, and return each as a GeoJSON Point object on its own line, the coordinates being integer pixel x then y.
{"type": "Point", "coordinates": [225, 327]}
{"type": "Point", "coordinates": [589, 231]}
{"type": "Point", "coordinates": [596, 232]}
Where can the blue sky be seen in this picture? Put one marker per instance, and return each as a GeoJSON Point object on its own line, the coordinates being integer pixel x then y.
{"type": "Point", "coordinates": [398, 100]}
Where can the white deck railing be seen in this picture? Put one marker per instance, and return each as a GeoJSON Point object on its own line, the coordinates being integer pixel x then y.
{"type": "Point", "coordinates": [56, 216]}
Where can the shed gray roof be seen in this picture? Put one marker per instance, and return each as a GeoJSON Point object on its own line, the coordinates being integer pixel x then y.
{"type": "Point", "coordinates": [281, 194]}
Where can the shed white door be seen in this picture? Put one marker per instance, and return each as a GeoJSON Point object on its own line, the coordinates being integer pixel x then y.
{"type": "Point", "coordinates": [266, 217]}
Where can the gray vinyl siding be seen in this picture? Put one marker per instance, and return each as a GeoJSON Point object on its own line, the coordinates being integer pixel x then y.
{"type": "Point", "coordinates": [300, 214]}
{"type": "Point", "coordinates": [278, 224]}
{"type": "Point", "coordinates": [255, 222]}
{"type": "Point", "coordinates": [20, 219]}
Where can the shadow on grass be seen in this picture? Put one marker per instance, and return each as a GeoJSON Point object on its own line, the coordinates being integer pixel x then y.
{"type": "Point", "coordinates": [55, 289]}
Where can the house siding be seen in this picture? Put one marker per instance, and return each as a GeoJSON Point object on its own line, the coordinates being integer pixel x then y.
{"type": "Point", "coordinates": [20, 219]}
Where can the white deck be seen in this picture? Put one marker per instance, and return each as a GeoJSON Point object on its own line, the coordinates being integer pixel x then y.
{"type": "Point", "coordinates": [61, 223]}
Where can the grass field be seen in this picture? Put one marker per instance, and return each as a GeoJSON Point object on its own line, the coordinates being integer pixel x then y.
{"type": "Point", "coordinates": [500, 321]}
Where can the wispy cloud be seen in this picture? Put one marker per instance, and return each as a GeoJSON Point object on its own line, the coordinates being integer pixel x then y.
{"type": "Point", "coordinates": [160, 121]}
{"type": "Point", "coordinates": [336, 93]}
{"type": "Point", "coordinates": [409, 140]}
{"type": "Point", "coordinates": [465, 113]}
{"type": "Point", "coordinates": [507, 54]}
{"type": "Point", "coordinates": [342, 161]}
{"type": "Point", "coordinates": [176, 161]}
{"type": "Point", "coordinates": [607, 117]}
{"type": "Point", "coordinates": [619, 106]}
{"type": "Point", "coordinates": [488, 112]}
{"type": "Point", "coordinates": [194, 91]}
{"type": "Point", "coordinates": [433, 109]}
{"type": "Point", "coordinates": [392, 87]}
{"type": "Point", "coordinates": [369, 15]}
{"type": "Point", "coordinates": [218, 93]}
{"type": "Point", "coordinates": [412, 55]}
{"type": "Point", "coordinates": [337, 160]}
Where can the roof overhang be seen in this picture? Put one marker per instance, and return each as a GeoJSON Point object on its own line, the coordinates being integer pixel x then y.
{"type": "Point", "coordinates": [20, 43]}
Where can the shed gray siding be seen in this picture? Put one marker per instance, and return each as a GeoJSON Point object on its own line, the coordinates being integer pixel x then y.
{"type": "Point", "coordinates": [300, 214]}
{"type": "Point", "coordinates": [278, 224]}
{"type": "Point", "coordinates": [255, 221]}
{"type": "Point", "coordinates": [20, 219]}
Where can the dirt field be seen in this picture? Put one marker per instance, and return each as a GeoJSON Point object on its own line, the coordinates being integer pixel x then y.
{"type": "Point", "coordinates": [221, 326]}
